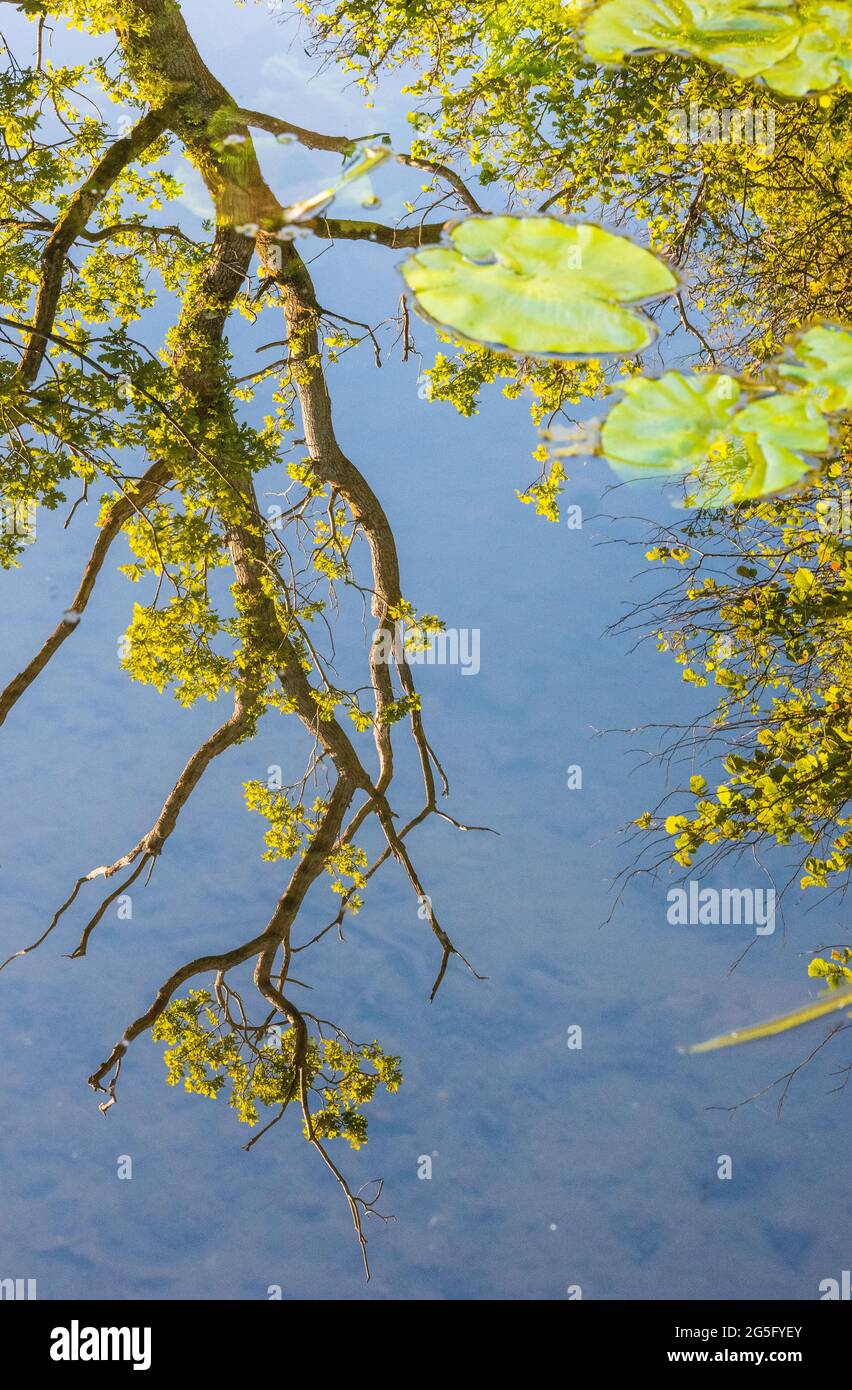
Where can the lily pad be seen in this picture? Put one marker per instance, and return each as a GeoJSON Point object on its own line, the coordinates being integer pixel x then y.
{"type": "Point", "coordinates": [668, 424]}
{"type": "Point", "coordinates": [771, 445]}
{"type": "Point", "coordinates": [794, 48]}
{"type": "Point", "coordinates": [822, 363]}
{"type": "Point", "coordinates": [537, 286]}
{"type": "Point", "coordinates": [776, 433]}
{"type": "Point", "coordinates": [692, 426]}
{"type": "Point", "coordinates": [823, 56]}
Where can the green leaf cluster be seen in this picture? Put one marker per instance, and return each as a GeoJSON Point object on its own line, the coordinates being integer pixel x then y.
{"type": "Point", "coordinates": [260, 1068]}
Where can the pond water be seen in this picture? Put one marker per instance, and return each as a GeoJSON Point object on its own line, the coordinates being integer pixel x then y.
{"type": "Point", "coordinates": [552, 1166]}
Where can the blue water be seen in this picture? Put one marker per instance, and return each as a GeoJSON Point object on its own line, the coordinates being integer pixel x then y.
{"type": "Point", "coordinates": [551, 1166]}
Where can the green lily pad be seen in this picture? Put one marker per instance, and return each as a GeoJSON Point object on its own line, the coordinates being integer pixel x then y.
{"type": "Point", "coordinates": [537, 286]}
{"type": "Point", "coordinates": [785, 422]}
{"type": "Point", "coordinates": [824, 366]}
{"type": "Point", "coordinates": [794, 48]}
{"type": "Point", "coordinates": [691, 426]}
{"type": "Point", "coordinates": [823, 56]}
{"type": "Point", "coordinates": [668, 424]}
{"type": "Point", "coordinates": [770, 445]}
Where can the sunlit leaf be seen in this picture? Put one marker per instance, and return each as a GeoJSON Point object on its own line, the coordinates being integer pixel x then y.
{"type": "Point", "coordinates": [770, 445]}
{"type": "Point", "coordinates": [826, 1004]}
{"type": "Point", "coordinates": [691, 426]}
{"type": "Point", "coordinates": [795, 49]}
{"type": "Point", "coordinates": [535, 285]}
{"type": "Point", "coordinates": [668, 424]}
{"type": "Point", "coordinates": [823, 364]}
{"type": "Point", "coordinates": [823, 55]}
{"type": "Point", "coordinates": [776, 433]}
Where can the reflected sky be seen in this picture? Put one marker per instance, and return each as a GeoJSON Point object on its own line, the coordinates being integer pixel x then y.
{"type": "Point", "coordinates": [551, 1167]}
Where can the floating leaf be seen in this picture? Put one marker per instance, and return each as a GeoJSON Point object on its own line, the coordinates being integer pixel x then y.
{"type": "Point", "coordinates": [571, 441]}
{"type": "Point", "coordinates": [795, 49]}
{"type": "Point", "coordinates": [535, 285]}
{"type": "Point", "coordinates": [691, 426]}
{"type": "Point", "coordinates": [826, 1004]}
{"type": "Point", "coordinates": [668, 424]}
{"type": "Point", "coordinates": [745, 35]}
{"type": "Point", "coordinates": [824, 366]}
{"type": "Point", "coordinates": [776, 432]}
{"type": "Point", "coordinates": [823, 55]}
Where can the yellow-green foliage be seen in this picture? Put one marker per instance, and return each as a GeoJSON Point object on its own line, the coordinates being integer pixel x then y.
{"type": "Point", "coordinates": [259, 1069]}
{"type": "Point", "coordinates": [292, 827]}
